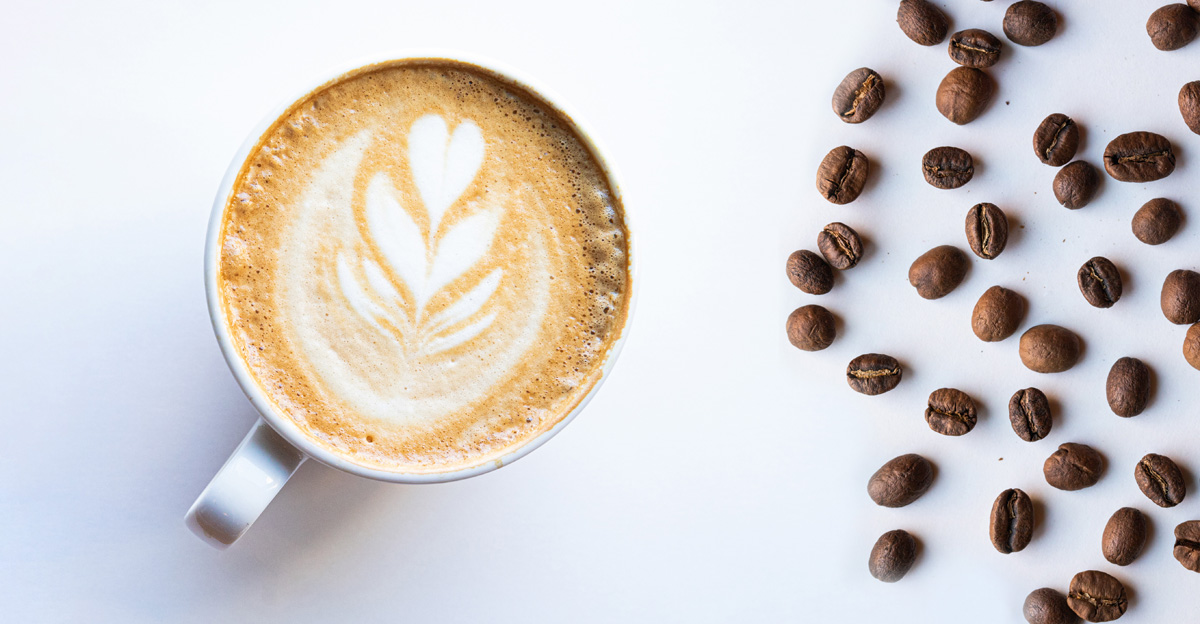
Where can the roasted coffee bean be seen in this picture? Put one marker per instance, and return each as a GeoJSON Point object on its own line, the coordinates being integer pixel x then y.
{"type": "Point", "coordinates": [1075, 185]}
{"type": "Point", "coordinates": [892, 556]}
{"type": "Point", "coordinates": [841, 246]}
{"type": "Point", "coordinates": [1124, 536]}
{"type": "Point", "coordinates": [964, 94]}
{"type": "Point", "coordinates": [1160, 480]}
{"type": "Point", "coordinates": [1047, 606]}
{"type": "Point", "coordinates": [997, 314]}
{"type": "Point", "coordinates": [974, 48]}
{"type": "Point", "coordinates": [1187, 545]}
{"type": "Point", "coordinates": [842, 175]}
{"type": "Point", "coordinates": [1191, 346]}
{"type": "Point", "coordinates": [1128, 387]}
{"type": "Point", "coordinates": [1157, 221]}
{"type": "Point", "coordinates": [809, 272]}
{"type": "Point", "coordinates": [811, 328]}
{"type": "Point", "coordinates": [1173, 26]}
{"type": "Point", "coordinates": [858, 96]}
{"type": "Point", "coordinates": [923, 22]}
{"type": "Point", "coordinates": [950, 412]}
{"type": "Point", "coordinates": [1100, 282]}
{"type": "Point", "coordinates": [1139, 157]}
{"type": "Point", "coordinates": [947, 167]}
{"type": "Point", "coordinates": [1073, 467]}
{"type": "Point", "coordinates": [873, 373]}
{"type": "Point", "coordinates": [1030, 23]}
{"type": "Point", "coordinates": [1180, 298]}
{"type": "Point", "coordinates": [1195, 4]}
{"type": "Point", "coordinates": [1097, 597]}
{"type": "Point", "coordinates": [1049, 348]}
{"type": "Point", "coordinates": [1189, 104]}
{"type": "Point", "coordinates": [1029, 413]}
{"type": "Point", "coordinates": [938, 271]}
{"type": "Point", "coordinates": [987, 230]}
{"type": "Point", "coordinates": [901, 481]}
{"type": "Point", "coordinates": [1012, 521]}
{"type": "Point", "coordinates": [1056, 140]}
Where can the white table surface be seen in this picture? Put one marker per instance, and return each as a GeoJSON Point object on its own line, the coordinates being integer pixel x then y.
{"type": "Point", "coordinates": [720, 474]}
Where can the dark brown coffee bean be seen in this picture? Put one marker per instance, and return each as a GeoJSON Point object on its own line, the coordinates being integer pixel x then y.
{"type": "Point", "coordinates": [811, 328]}
{"type": "Point", "coordinates": [1073, 467]}
{"type": "Point", "coordinates": [1173, 26]}
{"type": "Point", "coordinates": [1047, 606]}
{"type": "Point", "coordinates": [1075, 185]}
{"type": "Point", "coordinates": [1160, 480]}
{"type": "Point", "coordinates": [947, 167]}
{"type": "Point", "coordinates": [974, 48]}
{"type": "Point", "coordinates": [1195, 4]}
{"type": "Point", "coordinates": [1124, 536]}
{"type": "Point", "coordinates": [1100, 282]}
{"type": "Point", "coordinates": [901, 481]}
{"type": "Point", "coordinates": [1012, 521]}
{"type": "Point", "coordinates": [1187, 545]}
{"type": "Point", "coordinates": [1097, 597]}
{"type": "Point", "coordinates": [841, 245]}
{"type": "Point", "coordinates": [1029, 414]}
{"type": "Point", "coordinates": [1030, 23]}
{"type": "Point", "coordinates": [1049, 349]}
{"type": "Point", "coordinates": [950, 412]}
{"type": "Point", "coordinates": [873, 373]}
{"type": "Point", "coordinates": [809, 272]}
{"type": "Point", "coordinates": [1128, 387]}
{"type": "Point", "coordinates": [938, 271]}
{"type": "Point", "coordinates": [997, 314]}
{"type": "Point", "coordinates": [923, 22]}
{"type": "Point", "coordinates": [1139, 157]}
{"type": "Point", "coordinates": [842, 175]}
{"type": "Point", "coordinates": [1191, 346]}
{"type": "Point", "coordinates": [987, 230]}
{"type": "Point", "coordinates": [1180, 298]}
{"type": "Point", "coordinates": [858, 96]}
{"type": "Point", "coordinates": [1056, 140]}
{"type": "Point", "coordinates": [1189, 103]}
{"type": "Point", "coordinates": [964, 94]}
{"type": "Point", "coordinates": [892, 556]}
{"type": "Point", "coordinates": [1157, 221]}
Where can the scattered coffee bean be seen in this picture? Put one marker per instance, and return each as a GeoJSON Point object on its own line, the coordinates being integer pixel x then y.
{"type": "Point", "coordinates": [1075, 185]}
{"type": "Point", "coordinates": [1124, 536]}
{"type": "Point", "coordinates": [964, 93]}
{"type": "Point", "coordinates": [987, 230]}
{"type": "Point", "coordinates": [1187, 545]}
{"type": "Point", "coordinates": [893, 556]}
{"type": "Point", "coordinates": [809, 272]}
{"type": "Point", "coordinates": [901, 481]}
{"type": "Point", "coordinates": [1012, 521]}
{"type": "Point", "coordinates": [1056, 140]}
{"type": "Point", "coordinates": [997, 314]}
{"type": "Point", "coordinates": [1100, 282]}
{"type": "Point", "coordinates": [1029, 413]}
{"type": "Point", "coordinates": [858, 96]}
{"type": "Point", "coordinates": [1160, 480]}
{"type": "Point", "coordinates": [1189, 104]}
{"type": "Point", "coordinates": [841, 245]}
{"type": "Point", "coordinates": [1097, 597]}
{"type": "Point", "coordinates": [842, 175]}
{"type": "Point", "coordinates": [1030, 23]}
{"type": "Point", "coordinates": [1139, 157]}
{"type": "Point", "coordinates": [811, 328]}
{"type": "Point", "coordinates": [1180, 298]}
{"type": "Point", "coordinates": [873, 373]}
{"type": "Point", "coordinates": [1128, 387]}
{"type": "Point", "coordinates": [923, 22]}
{"type": "Point", "coordinates": [950, 412]}
{"type": "Point", "coordinates": [1157, 221]}
{"type": "Point", "coordinates": [1048, 606]}
{"type": "Point", "coordinates": [1049, 349]}
{"type": "Point", "coordinates": [974, 48]}
{"type": "Point", "coordinates": [938, 271]}
{"type": "Point", "coordinates": [1191, 346]}
{"type": "Point", "coordinates": [1073, 467]}
{"type": "Point", "coordinates": [1173, 26]}
{"type": "Point", "coordinates": [947, 167]}
{"type": "Point", "coordinates": [1195, 4]}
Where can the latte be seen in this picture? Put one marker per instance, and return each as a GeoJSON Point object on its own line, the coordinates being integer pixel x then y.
{"type": "Point", "coordinates": [423, 265]}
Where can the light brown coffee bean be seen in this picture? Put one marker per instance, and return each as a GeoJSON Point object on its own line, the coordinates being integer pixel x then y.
{"type": "Point", "coordinates": [1191, 346]}
{"type": "Point", "coordinates": [1187, 545]}
{"type": "Point", "coordinates": [1029, 414]}
{"type": "Point", "coordinates": [1173, 26]}
{"type": "Point", "coordinates": [1189, 104]}
{"type": "Point", "coordinates": [938, 271]}
{"type": "Point", "coordinates": [1161, 480]}
{"type": "Point", "coordinates": [1073, 467]}
{"type": "Point", "coordinates": [1047, 606]}
{"type": "Point", "coordinates": [893, 556]}
{"type": "Point", "coordinates": [811, 328]}
{"type": "Point", "coordinates": [987, 230]}
{"type": "Point", "coordinates": [1049, 349]}
{"type": "Point", "coordinates": [842, 175]}
{"type": "Point", "coordinates": [1097, 597]}
{"type": "Point", "coordinates": [974, 48]}
{"type": "Point", "coordinates": [1030, 23]}
{"type": "Point", "coordinates": [1157, 221]}
{"type": "Point", "coordinates": [922, 22]}
{"type": "Point", "coordinates": [809, 272]}
{"type": "Point", "coordinates": [859, 95]}
{"type": "Point", "coordinates": [1100, 282]}
{"type": "Point", "coordinates": [901, 481]}
{"type": "Point", "coordinates": [841, 246]}
{"type": "Point", "coordinates": [1180, 298]}
{"type": "Point", "coordinates": [964, 94]}
{"type": "Point", "coordinates": [997, 314]}
{"type": "Point", "coordinates": [1076, 184]}
{"type": "Point", "coordinates": [1124, 536]}
{"type": "Point", "coordinates": [950, 412]}
{"type": "Point", "coordinates": [1128, 387]}
{"type": "Point", "coordinates": [1056, 140]}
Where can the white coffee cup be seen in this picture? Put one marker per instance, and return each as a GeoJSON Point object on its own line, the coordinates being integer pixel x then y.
{"type": "Point", "coordinates": [275, 447]}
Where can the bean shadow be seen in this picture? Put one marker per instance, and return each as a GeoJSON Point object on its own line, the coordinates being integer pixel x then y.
{"type": "Point", "coordinates": [1016, 229]}
{"type": "Point", "coordinates": [1039, 517]}
{"type": "Point", "coordinates": [1128, 284]}
{"type": "Point", "coordinates": [1056, 411]}
{"type": "Point", "coordinates": [893, 93]}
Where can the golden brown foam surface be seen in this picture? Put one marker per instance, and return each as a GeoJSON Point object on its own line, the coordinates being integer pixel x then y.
{"type": "Point", "coordinates": [423, 266]}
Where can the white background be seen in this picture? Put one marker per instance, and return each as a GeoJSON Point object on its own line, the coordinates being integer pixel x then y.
{"type": "Point", "coordinates": [720, 474]}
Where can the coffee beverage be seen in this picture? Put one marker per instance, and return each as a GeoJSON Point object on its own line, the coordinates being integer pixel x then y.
{"type": "Point", "coordinates": [424, 266]}
{"type": "Point", "coordinates": [974, 48]}
{"type": "Point", "coordinates": [947, 167]}
{"type": "Point", "coordinates": [809, 272]}
{"type": "Point", "coordinates": [922, 22]}
{"type": "Point", "coordinates": [1173, 26]}
{"type": "Point", "coordinates": [1029, 414]}
{"type": "Point", "coordinates": [1049, 349]}
{"type": "Point", "coordinates": [1187, 545]}
{"type": "Point", "coordinates": [1073, 467]}
{"type": "Point", "coordinates": [1100, 282]}
{"type": "Point", "coordinates": [1189, 105]}
{"type": "Point", "coordinates": [873, 373]}
{"type": "Point", "coordinates": [1128, 387]}
{"type": "Point", "coordinates": [1124, 536]}
{"type": "Point", "coordinates": [1056, 140]}
{"type": "Point", "coordinates": [987, 230]}
{"type": "Point", "coordinates": [842, 175]}
{"type": "Point", "coordinates": [900, 481]}
{"type": "Point", "coordinates": [1075, 185]}
{"type": "Point", "coordinates": [964, 94]}
{"type": "Point", "coordinates": [858, 96]}
{"type": "Point", "coordinates": [1030, 23]}
{"type": "Point", "coordinates": [1180, 298]}
{"type": "Point", "coordinates": [997, 314]}
{"type": "Point", "coordinates": [938, 271]}
{"type": "Point", "coordinates": [1096, 596]}
{"type": "Point", "coordinates": [811, 328]}
{"type": "Point", "coordinates": [950, 412]}
{"type": "Point", "coordinates": [1047, 606]}
{"type": "Point", "coordinates": [893, 556]}
{"type": "Point", "coordinates": [1139, 157]}
{"type": "Point", "coordinates": [1012, 521]}
{"type": "Point", "coordinates": [1157, 221]}
{"type": "Point", "coordinates": [1191, 346]}
{"type": "Point", "coordinates": [1160, 480]}
{"type": "Point", "coordinates": [841, 246]}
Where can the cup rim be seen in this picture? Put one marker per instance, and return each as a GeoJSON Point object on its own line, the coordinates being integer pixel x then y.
{"type": "Point", "coordinates": [288, 429]}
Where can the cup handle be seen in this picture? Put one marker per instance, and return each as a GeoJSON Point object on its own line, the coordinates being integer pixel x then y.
{"type": "Point", "coordinates": [244, 486]}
